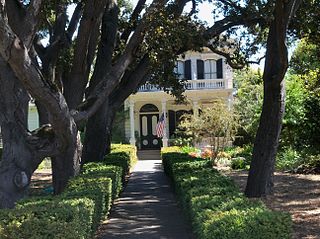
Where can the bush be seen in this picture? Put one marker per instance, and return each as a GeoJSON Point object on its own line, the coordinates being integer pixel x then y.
{"type": "Point", "coordinates": [240, 163]}
{"type": "Point", "coordinates": [122, 155]}
{"type": "Point", "coordinates": [288, 159]}
{"type": "Point", "coordinates": [98, 189]}
{"type": "Point", "coordinates": [109, 171]}
{"type": "Point", "coordinates": [56, 219]}
{"type": "Point", "coordinates": [215, 204]}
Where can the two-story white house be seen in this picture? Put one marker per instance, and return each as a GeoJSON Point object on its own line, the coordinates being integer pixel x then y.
{"type": "Point", "coordinates": [209, 78]}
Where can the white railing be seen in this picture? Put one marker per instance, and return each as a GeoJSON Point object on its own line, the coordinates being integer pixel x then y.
{"type": "Point", "coordinates": [190, 85]}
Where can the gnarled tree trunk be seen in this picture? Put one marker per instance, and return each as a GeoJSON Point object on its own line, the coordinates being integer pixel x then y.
{"type": "Point", "coordinates": [18, 160]}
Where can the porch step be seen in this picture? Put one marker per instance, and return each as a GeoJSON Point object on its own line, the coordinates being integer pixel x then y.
{"type": "Point", "coordinates": [149, 154]}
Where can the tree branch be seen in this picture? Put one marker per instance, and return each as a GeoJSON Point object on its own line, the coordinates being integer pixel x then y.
{"type": "Point", "coordinates": [133, 20]}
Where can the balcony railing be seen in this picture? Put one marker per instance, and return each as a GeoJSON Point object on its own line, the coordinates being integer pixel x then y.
{"type": "Point", "coordinates": [189, 85]}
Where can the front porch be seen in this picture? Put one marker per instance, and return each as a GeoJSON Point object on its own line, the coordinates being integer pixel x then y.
{"type": "Point", "coordinates": [145, 109]}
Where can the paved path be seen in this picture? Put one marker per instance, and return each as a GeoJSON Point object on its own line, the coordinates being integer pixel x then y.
{"type": "Point", "coordinates": [147, 208]}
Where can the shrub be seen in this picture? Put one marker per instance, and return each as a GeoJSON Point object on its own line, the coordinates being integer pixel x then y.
{"type": "Point", "coordinates": [311, 164]}
{"type": "Point", "coordinates": [122, 155]}
{"type": "Point", "coordinates": [98, 189]}
{"type": "Point", "coordinates": [110, 171]}
{"type": "Point", "coordinates": [127, 148]}
{"type": "Point", "coordinates": [240, 163]}
{"type": "Point", "coordinates": [216, 206]}
{"type": "Point", "coordinates": [288, 159]}
{"type": "Point", "coordinates": [56, 219]}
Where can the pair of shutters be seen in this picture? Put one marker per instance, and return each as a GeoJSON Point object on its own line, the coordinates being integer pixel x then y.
{"type": "Point", "coordinates": [200, 69]}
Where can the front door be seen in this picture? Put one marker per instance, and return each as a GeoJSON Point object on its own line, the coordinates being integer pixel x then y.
{"type": "Point", "coordinates": [148, 124]}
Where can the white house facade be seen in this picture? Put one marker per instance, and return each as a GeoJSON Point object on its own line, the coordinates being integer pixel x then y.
{"type": "Point", "coordinates": [208, 76]}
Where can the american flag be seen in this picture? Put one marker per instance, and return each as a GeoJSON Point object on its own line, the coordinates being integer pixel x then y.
{"type": "Point", "coordinates": [160, 126]}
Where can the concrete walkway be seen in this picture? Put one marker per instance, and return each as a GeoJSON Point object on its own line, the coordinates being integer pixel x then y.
{"type": "Point", "coordinates": [147, 209]}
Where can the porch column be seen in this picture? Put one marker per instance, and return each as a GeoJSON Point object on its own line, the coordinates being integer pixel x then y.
{"type": "Point", "coordinates": [164, 111]}
{"type": "Point", "coordinates": [132, 137]}
{"type": "Point", "coordinates": [195, 108]}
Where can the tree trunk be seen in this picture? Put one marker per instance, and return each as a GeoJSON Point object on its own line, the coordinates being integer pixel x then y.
{"type": "Point", "coordinates": [67, 164]}
{"type": "Point", "coordinates": [97, 142]}
{"type": "Point", "coordinates": [260, 180]}
{"type": "Point", "coordinates": [18, 161]}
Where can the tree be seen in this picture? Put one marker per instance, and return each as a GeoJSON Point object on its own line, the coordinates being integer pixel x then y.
{"type": "Point", "coordinates": [59, 91]}
{"type": "Point", "coordinates": [216, 124]}
{"type": "Point", "coordinates": [260, 179]}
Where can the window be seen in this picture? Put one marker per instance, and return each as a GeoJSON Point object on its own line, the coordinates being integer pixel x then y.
{"type": "Point", "coordinates": [210, 69]}
{"type": "Point", "coordinates": [179, 69]}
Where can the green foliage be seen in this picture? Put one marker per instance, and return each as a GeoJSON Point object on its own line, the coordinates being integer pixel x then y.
{"type": "Point", "coordinates": [288, 159]}
{"type": "Point", "coordinates": [310, 164]}
{"type": "Point", "coordinates": [162, 40]}
{"type": "Point", "coordinates": [216, 123]}
{"type": "Point", "coordinates": [295, 111]}
{"type": "Point", "coordinates": [110, 171]}
{"type": "Point", "coordinates": [99, 189]}
{"type": "Point", "coordinates": [248, 104]}
{"type": "Point", "coordinates": [215, 205]}
{"type": "Point", "coordinates": [56, 219]}
{"type": "Point", "coordinates": [118, 129]}
{"type": "Point", "coordinates": [305, 58]}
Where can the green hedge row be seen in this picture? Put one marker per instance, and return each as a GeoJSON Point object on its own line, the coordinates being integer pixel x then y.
{"type": "Point", "coordinates": [64, 218]}
{"type": "Point", "coordinates": [215, 205]}
{"type": "Point", "coordinates": [122, 155]}
{"type": "Point", "coordinates": [78, 211]}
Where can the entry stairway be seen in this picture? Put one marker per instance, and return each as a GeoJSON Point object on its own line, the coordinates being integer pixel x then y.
{"type": "Point", "coordinates": [148, 154]}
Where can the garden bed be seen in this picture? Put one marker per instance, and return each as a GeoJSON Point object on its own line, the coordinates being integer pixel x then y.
{"type": "Point", "coordinates": [294, 193]}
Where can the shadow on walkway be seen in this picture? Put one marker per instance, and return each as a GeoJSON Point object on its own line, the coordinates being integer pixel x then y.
{"type": "Point", "coordinates": [147, 208]}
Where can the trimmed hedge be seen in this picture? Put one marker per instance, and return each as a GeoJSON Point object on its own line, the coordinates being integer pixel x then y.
{"type": "Point", "coordinates": [67, 218]}
{"type": "Point", "coordinates": [122, 155]}
{"type": "Point", "coordinates": [98, 189]}
{"type": "Point", "coordinates": [78, 211]}
{"type": "Point", "coordinates": [102, 170]}
{"type": "Point", "coordinates": [215, 205]}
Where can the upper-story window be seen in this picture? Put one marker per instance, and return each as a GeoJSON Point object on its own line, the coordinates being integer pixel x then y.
{"type": "Point", "coordinates": [180, 69]}
{"type": "Point", "coordinates": [183, 68]}
{"type": "Point", "coordinates": [210, 69]}
{"type": "Point", "coordinates": [213, 69]}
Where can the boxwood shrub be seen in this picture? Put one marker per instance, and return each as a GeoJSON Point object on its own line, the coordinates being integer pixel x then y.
{"type": "Point", "coordinates": [99, 189]}
{"type": "Point", "coordinates": [102, 170]}
{"type": "Point", "coordinates": [215, 205]}
{"type": "Point", "coordinates": [78, 211]}
{"type": "Point", "coordinates": [122, 155]}
{"type": "Point", "coordinates": [55, 219]}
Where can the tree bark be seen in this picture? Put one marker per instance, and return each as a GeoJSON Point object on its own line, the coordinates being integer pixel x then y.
{"type": "Point", "coordinates": [18, 159]}
{"type": "Point", "coordinates": [260, 180]}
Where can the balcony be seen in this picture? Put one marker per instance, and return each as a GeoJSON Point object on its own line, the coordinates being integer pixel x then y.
{"type": "Point", "coordinates": [190, 85]}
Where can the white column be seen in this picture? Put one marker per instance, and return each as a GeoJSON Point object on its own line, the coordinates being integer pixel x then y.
{"type": "Point", "coordinates": [132, 136]}
{"type": "Point", "coordinates": [194, 75]}
{"type": "Point", "coordinates": [195, 108]}
{"type": "Point", "coordinates": [164, 111]}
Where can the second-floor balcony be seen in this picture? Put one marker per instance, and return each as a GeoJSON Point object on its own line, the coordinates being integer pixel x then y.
{"type": "Point", "coordinates": [192, 85]}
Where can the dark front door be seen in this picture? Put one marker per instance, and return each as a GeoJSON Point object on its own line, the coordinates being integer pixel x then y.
{"type": "Point", "coordinates": [148, 124]}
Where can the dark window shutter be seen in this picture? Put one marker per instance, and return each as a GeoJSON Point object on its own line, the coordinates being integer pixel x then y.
{"type": "Point", "coordinates": [187, 69]}
{"type": "Point", "coordinates": [219, 69]}
{"type": "Point", "coordinates": [172, 122]}
{"type": "Point", "coordinates": [200, 69]}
